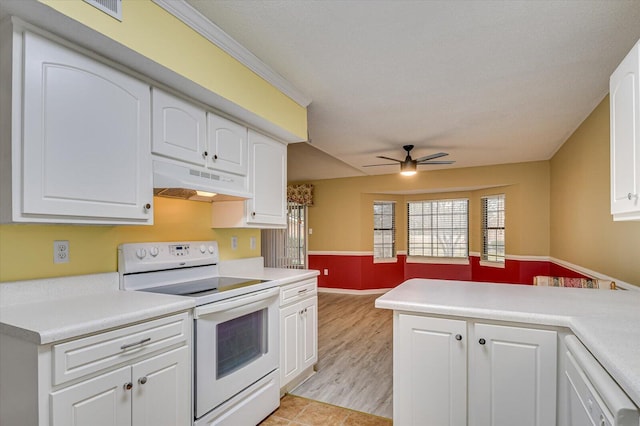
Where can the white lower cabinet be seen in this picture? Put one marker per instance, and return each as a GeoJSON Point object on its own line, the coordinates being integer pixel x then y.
{"type": "Point", "coordinates": [430, 371]}
{"type": "Point", "coordinates": [101, 401]}
{"type": "Point", "coordinates": [138, 375]}
{"type": "Point", "coordinates": [458, 372]}
{"type": "Point", "coordinates": [298, 332]}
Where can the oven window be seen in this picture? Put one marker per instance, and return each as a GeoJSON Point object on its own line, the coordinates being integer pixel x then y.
{"type": "Point", "coordinates": [241, 341]}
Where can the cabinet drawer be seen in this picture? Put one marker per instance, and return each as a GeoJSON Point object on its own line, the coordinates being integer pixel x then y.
{"type": "Point", "coordinates": [90, 354]}
{"type": "Point", "coordinates": [298, 291]}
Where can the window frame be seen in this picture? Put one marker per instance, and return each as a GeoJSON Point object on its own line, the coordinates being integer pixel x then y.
{"type": "Point", "coordinates": [394, 251]}
{"type": "Point", "coordinates": [417, 258]}
{"type": "Point", "coordinates": [485, 228]}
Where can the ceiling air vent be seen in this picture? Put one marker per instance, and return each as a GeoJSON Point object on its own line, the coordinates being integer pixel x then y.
{"type": "Point", "coordinates": [110, 7]}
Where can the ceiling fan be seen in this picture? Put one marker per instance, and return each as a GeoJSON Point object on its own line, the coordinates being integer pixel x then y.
{"type": "Point", "coordinates": [409, 166]}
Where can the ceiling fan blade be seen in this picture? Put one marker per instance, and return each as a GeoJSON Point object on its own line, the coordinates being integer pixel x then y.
{"type": "Point", "coordinates": [432, 156]}
{"type": "Point", "coordinates": [374, 165]}
{"type": "Point", "coordinates": [436, 162]}
{"type": "Point", "coordinates": [388, 158]}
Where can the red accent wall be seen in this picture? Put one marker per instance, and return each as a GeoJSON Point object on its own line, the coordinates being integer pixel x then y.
{"type": "Point", "coordinates": [359, 272]}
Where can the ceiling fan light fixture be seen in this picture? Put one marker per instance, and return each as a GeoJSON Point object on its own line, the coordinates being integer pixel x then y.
{"type": "Point", "coordinates": [408, 168]}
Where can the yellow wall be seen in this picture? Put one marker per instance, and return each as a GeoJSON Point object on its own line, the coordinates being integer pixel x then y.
{"type": "Point", "coordinates": [582, 229]}
{"type": "Point", "coordinates": [26, 251]}
{"type": "Point", "coordinates": [151, 31]}
{"type": "Point", "coordinates": [342, 214]}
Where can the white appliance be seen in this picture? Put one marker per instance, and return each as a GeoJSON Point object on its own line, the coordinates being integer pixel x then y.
{"type": "Point", "coordinates": [236, 327]}
{"type": "Point", "coordinates": [594, 398]}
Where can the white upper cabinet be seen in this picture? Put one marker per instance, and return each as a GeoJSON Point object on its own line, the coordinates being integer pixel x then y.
{"type": "Point", "coordinates": [227, 142]}
{"type": "Point", "coordinates": [79, 139]}
{"type": "Point", "coordinates": [179, 129]}
{"type": "Point", "coordinates": [267, 207]}
{"type": "Point", "coordinates": [267, 181]}
{"type": "Point", "coordinates": [624, 101]}
{"type": "Point", "coordinates": [188, 133]}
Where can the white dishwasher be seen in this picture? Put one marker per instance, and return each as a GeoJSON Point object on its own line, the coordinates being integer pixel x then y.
{"type": "Point", "coordinates": [594, 398]}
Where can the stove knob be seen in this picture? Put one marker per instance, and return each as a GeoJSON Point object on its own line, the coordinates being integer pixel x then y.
{"type": "Point", "coordinates": [212, 249]}
{"type": "Point", "coordinates": [202, 248]}
{"type": "Point", "coordinates": [141, 253]}
{"type": "Point", "coordinates": [154, 251]}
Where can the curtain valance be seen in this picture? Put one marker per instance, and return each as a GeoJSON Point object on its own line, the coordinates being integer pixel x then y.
{"type": "Point", "coordinates": [301, 194]}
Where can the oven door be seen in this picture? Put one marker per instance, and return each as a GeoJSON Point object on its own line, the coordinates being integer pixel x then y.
{"type": "Point", "coordinates": [236, 344]}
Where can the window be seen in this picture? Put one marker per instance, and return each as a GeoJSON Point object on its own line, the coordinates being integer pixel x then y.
{"type": "Point", "coordinates": [493, 228]}
{"type": "Point", "coordinates": [439, 228]}
{"type": "Point", "coordinates": [384, 230]}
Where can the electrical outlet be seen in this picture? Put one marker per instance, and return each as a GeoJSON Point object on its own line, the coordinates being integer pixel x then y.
{"type": "Point", "coordinates": [310, 231]}
{"type": "Point", "coordinates": [61, 251]}
{"type": "Point", "coordinates": [234, 243]}
{"type": "Point", "coordinates": [326, 272]}
{"type": "Point", "coordinates": [252, 243]}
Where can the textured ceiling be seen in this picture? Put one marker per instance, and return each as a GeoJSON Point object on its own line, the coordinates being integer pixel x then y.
{"type": "Point", "coordinates": [490, 82]}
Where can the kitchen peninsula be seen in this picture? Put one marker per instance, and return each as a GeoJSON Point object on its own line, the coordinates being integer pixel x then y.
{"type": "Point", "coordinates": [482, 350]}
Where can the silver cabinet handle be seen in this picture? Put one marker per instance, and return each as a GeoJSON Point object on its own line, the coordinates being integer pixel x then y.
{"type": "Point", "coordinates": [303, 290]}
{"type": "Point", "coordinates": [142, 380]}
{"type": "Point", "coordinates": [128, 386]}
{"type": "Point", "coordinates": [630, 196]}
{"type": "Point", "coordinates": [130, 345]}
{"type": "Point", "coordinates": [458, 337]}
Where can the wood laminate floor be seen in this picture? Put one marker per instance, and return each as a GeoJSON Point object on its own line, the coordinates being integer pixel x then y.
{"type": "Point", "coordinates": [355, 367]}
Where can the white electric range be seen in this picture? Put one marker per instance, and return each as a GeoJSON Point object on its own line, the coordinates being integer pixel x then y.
{"type": "Point", "coordinates": [235, 326]}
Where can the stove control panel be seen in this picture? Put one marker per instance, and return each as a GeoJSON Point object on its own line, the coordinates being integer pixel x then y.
{"type": "Point", "coordinates": [145, 257]}
{"type": "Point", "coordinates": [179, 249]}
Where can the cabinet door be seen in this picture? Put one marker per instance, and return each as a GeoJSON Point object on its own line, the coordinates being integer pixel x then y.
{"type": "Point", "coordinates": [268, 177]}
{"type": "Point", "coordinates": [289, 343]}
{"type": "Point", "coordinates": [85, 138]}
{"type": "Point", "coordinates": [179, 129]}
{"type": "Point", "coordinates": [625, 136]}
{"type": "Point", "coordinates": [309, 333]}
{"type": "Point", "coordinates": [161, 390]}
{"type": "Point", "coordinates": [512, 376]}
{"type": "Point", "coordinates": [429, 371]}
{"type": "Point", "coordinates": [101, 401]}
{"type": "Point", "coordinates": [227, 142]}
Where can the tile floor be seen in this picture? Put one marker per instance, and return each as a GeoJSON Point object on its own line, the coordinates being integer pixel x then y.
{"type": "Point", "coordinates": [298, 411]}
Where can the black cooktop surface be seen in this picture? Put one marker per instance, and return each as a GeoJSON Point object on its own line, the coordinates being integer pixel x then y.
{"type": "Point", "coordinates": [204, 287]}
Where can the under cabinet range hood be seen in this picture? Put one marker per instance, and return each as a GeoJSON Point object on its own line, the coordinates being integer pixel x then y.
{"type": "Point", "coordinates": [190, 182]}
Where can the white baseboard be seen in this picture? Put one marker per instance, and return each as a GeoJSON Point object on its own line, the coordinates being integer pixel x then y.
{"type": "Point", "coordinates": [355, 292]}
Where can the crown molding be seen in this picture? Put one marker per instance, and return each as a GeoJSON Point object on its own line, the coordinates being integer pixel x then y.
{"type": "Point", "coordinates": [203, 26]}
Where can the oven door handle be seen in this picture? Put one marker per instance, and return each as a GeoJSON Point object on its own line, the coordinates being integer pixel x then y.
{"type": "Point", "coordinates": [236, 302]}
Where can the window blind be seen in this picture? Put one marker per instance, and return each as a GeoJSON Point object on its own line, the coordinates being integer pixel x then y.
{"type": "Point", "coordinates": [286, 248]}
{"type": "Point", "coordinates": [384, 229]}
{"type": "Point", "coordinates": [493, 232]}
{"type": "Point", "coordinates": [438, 228]}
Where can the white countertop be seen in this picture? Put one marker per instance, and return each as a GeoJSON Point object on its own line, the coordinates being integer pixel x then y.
{"type": "Point", "coordinates": [253, 268]}
{"type": "Point", "coordinates": [607, 322]}
{"type": "Point", "coordinates": [51, 310]}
